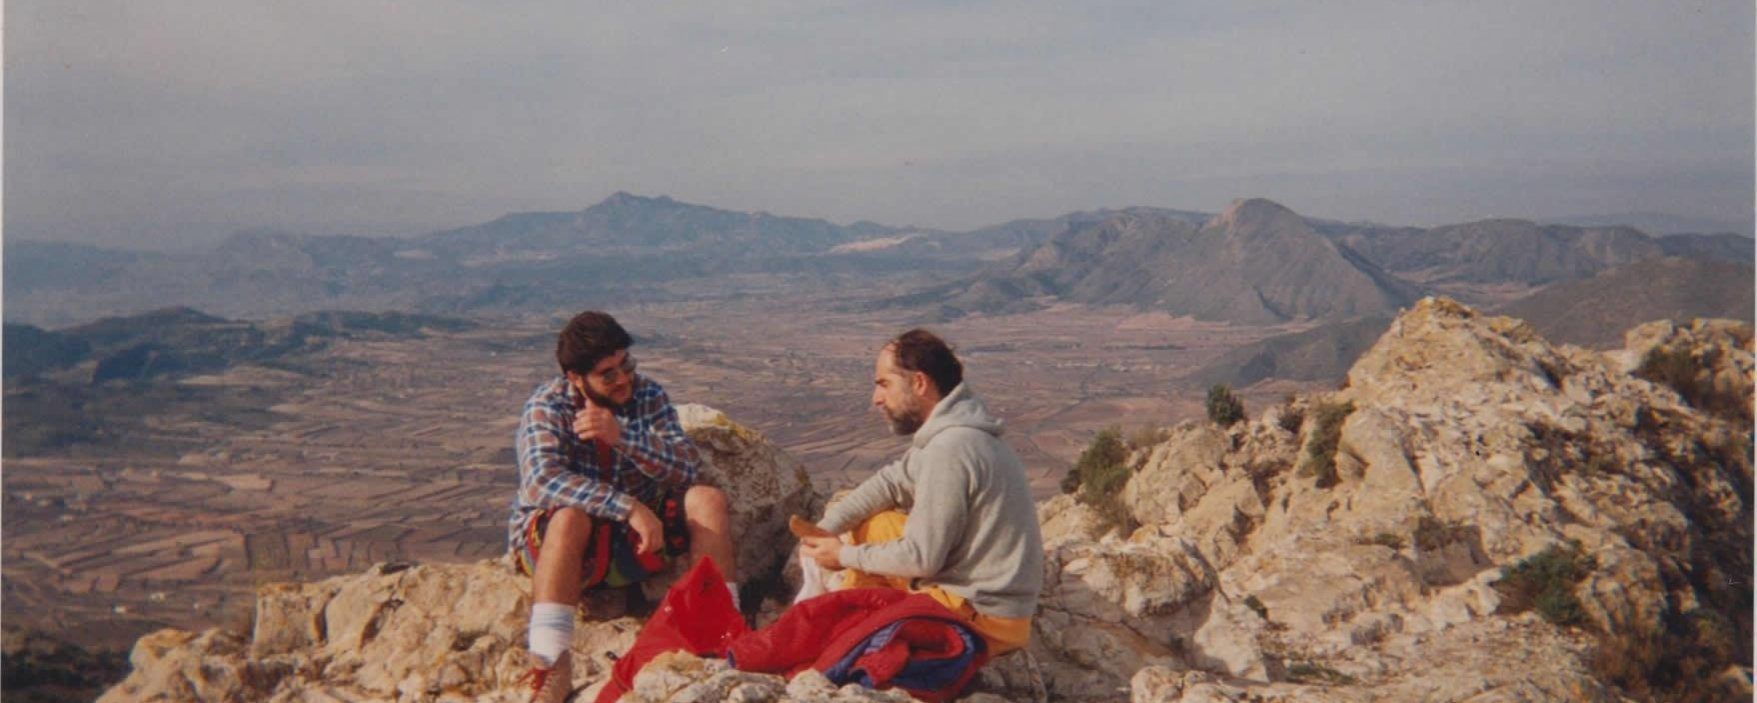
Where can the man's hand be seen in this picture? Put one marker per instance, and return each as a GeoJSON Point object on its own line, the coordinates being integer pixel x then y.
{"type": "Point", "coordinates": [823, 550]}
{"type": "Point", "coordinates": [647, 528]}
{"type": "Point", "coordinates": [595, 422]}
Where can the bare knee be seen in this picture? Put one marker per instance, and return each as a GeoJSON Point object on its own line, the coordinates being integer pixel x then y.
{"type": "Point", "coordinates": [705, 502]}
{"type": "Point", "coordinates": [569, 526]}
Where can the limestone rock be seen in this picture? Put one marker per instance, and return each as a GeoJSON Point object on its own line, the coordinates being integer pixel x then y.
{"type": "Point", "coordinates": [764, 485]}
{"type": "Point", "coordinates": [448, 631]}
{"type": "Point", "coordinates": [1359, 545]}
{"type": "Point", "coordinates": [684, 678]}
{"type": "Point", "coordinates": [1472, 444]}
{"type": "Point", "coordinates": [1064, 518]}
{"type": "Point", "coordinates": [173, 665]}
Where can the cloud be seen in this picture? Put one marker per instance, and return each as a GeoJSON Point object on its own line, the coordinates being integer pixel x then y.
{"type": "Point", "coordinates": [151, 120]}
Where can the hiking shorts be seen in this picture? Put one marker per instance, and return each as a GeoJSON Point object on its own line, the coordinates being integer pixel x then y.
{"type": "Point", "coordinates": [610, 559]}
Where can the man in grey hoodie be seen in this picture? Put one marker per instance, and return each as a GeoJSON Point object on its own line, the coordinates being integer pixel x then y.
{"type": "Point", "coordinates": [953, 518]}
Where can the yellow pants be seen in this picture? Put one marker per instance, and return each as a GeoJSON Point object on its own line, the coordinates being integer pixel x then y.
{"type": "Point", "coordinates": [1003, 634]}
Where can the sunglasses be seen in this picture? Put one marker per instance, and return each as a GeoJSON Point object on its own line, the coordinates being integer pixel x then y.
{"type": "Point", "coordinates": [618, 372]}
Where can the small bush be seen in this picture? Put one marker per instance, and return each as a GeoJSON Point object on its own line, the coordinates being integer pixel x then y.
{"type": "Point", "coordinates": [1224, 408]}
{"type": "Point", "coordinates": [1256, 605]}
{"type": "Point", "coordinates": [1321, 446]}
{"type": "Point", "coordinates": [1100, 474]}
{"type": "Point", "coordinates": [1545, 581]}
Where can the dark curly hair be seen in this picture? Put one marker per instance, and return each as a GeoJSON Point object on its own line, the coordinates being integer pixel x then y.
{"type": "Point", "coordinates": [589, 338]}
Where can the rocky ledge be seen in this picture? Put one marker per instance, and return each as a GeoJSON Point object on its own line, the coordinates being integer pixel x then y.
{"type": "Point", "coordinates": [1478, 515]}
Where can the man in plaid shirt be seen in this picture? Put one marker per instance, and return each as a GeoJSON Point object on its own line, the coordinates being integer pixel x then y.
{"type": "Point", "coordinates": [601, 459]}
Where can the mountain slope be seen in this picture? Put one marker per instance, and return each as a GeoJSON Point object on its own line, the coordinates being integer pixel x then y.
{"type": "Point", "coordinates": [1595, 311]}
{"type": "Point", "coordinates": [1500, 251]}
{"type": "Point", "coordinates": [1323, 353]}
{"type": "Point", "coordinates": [1714, 247]}
{"type": "Point", "coordinates": [1659, 223]}
{"type": "Point", "coordinates": [1257, 262]}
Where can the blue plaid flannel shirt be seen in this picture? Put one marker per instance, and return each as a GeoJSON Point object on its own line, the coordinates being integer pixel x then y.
{"type": "Point", "coordinates": [558, 469]}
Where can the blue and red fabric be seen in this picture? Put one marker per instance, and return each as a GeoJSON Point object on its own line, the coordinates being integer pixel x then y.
{"type": "Point", "coordinates": [877, 637]}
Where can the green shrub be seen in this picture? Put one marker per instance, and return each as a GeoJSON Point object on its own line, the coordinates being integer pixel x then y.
{"type": "Point", "coordinates": [1545, 581]}
{"type": "Point", "coordinates": [1224, 408]}
{"type": "Point", "coordinates": [1256, 604]}
{"type": "Point", "coordinates": [1100, 474]}
{"type": "Point", "coordinates": [1321, 446]}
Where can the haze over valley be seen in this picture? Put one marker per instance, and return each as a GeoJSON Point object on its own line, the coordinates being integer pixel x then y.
{"type": "Point", "coordinates": [162, 462]}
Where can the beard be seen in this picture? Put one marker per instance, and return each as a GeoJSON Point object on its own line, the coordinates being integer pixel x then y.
{"type": "Point", "coordinates": [905, 420]}
{"type": "Point", "coordinates": [599, 399]}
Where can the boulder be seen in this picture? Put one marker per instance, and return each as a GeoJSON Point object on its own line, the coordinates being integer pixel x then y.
{"type": "Point", "coordinates": [763, 484]}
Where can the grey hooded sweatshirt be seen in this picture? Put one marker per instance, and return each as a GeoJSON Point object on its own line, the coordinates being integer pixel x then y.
{"type": "Point", "coordinates": [972, 526]}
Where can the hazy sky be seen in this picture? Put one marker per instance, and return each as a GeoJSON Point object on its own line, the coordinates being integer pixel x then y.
{"type": "Point", "coordinates": [145, 123]}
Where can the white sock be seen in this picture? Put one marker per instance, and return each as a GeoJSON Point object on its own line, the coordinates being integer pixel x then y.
{"type": "Point", "coordinates": [551, 630]}
{"type": "Point", "coordinates": [811, 581]}
{"type": "Point", "coordinates": [733, 587]}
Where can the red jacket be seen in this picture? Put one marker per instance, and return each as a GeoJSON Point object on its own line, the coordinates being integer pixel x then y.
{"type": "Point", "coordinates": [830, 633]}
{"type": "Point", "coordinates": [801, 637]}
{"type": "Point", "coordinates": [696, 616]}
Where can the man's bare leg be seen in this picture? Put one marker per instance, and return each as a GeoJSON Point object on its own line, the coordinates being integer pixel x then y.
{"type": "Point", "coordinates": [559, 560]}
{"type": "Point", "coordinates": [709, 516]}
{"type": "Point", "coordinates": [555, 587]}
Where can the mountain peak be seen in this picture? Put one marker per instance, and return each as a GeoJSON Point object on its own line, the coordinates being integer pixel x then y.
{"type": "Point", "coordinates": [621, 199]}
{"type": "Point", "coordinates": [1254, 213]}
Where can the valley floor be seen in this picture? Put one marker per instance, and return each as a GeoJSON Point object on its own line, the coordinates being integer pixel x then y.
{"type": "Point", "coordinates": [402, 449]}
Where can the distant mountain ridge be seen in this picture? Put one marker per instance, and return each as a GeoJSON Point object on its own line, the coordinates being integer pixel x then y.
{"type": "Point", "coordinates": [630, 248]}
{"type": "Point", "coordinates": [1256, 262]}
{"type": "Point", "coordinates": [1712, 247]}
{"type": "Point", "coordinates": [1658, 223]}
{"type": "Point", "coordinates": [1500, 251]}
{"type": "Point", "coordinates": [626, 222]}
{"type": "Point", "coordinates": [181, 340]}
{"type": "Point", "coordinates": [1591, 312]}
{"type": "Point", "coordinates": [1594, 311]}
{"type": "Point", "coordinates": [621, 246]}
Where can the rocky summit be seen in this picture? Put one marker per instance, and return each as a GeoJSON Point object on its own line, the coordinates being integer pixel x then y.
{"type": "Point", "coordinates": [1477, 515]}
